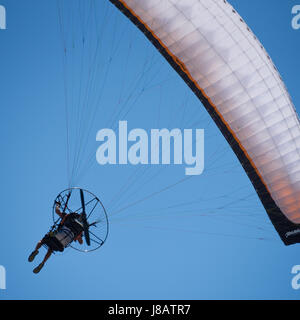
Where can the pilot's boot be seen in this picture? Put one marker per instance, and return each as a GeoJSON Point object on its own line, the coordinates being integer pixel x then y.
{"type": "Point", "coordinates": [38, 268]}
{"type": "Point", "coordinates": [33, 255]}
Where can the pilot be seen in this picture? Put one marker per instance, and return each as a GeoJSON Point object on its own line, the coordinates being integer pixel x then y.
{"type": "Point", "coordinates": [67, 232]}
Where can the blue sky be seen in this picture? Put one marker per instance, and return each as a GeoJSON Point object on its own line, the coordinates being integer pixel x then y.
{"type": "Point", "coordinates": [205, 238]}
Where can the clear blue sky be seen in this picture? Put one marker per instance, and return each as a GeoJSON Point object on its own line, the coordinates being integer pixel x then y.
{"type": "Point", "coordinates": [205, 238]}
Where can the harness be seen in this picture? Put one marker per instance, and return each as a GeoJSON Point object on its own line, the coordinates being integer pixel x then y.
{"type": "Point", "coordinates": [61, 236]}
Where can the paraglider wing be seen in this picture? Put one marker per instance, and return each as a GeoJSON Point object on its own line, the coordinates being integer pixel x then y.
{"type": "Point", "coordinates": [221, 60]}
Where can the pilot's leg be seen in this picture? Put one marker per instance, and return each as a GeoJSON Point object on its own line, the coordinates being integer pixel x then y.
{"type": "Point", "coordinates": [40, 266]}
{"type": "Point", "coordinates": [35, 252]}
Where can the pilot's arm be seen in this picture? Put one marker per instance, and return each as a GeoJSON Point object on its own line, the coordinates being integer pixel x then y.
{"type": "Point", "coordinates": [57, 210]}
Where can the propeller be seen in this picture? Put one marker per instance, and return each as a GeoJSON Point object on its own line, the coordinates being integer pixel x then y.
{"type": "Point", "coordinates": [84, 220]}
